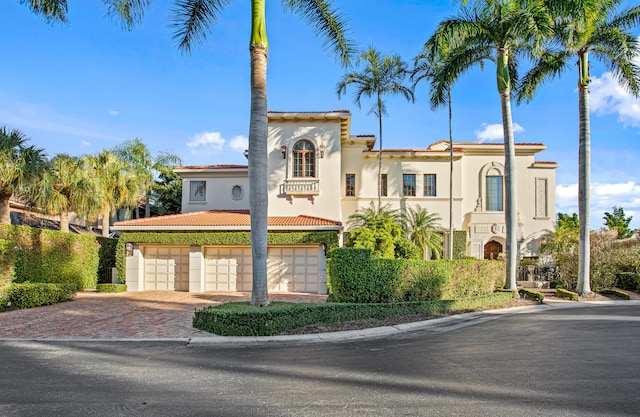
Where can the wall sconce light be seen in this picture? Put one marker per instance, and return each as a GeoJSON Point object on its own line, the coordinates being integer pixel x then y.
{"type": "Point", "coordinates": [129, 248]}
{"type": "Point", "coordinates": [246, 153]}
{"type": "Point", "coordinates": [283, 149]}
{"type": "Point", "coordinates": [322, 148]}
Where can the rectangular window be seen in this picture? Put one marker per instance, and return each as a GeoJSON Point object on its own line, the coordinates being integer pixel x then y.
{"type": "Point", "coordinates": [429, 185]}
{"type": "Point", "coordinates": [197, 191]}
{"type": "Point", "coordinates": [350, 186]}
{"type": "Point", "coordinates": [409, 185]}
{"type": "Point", "coordinates": [383, 185]}
{"type": "Point", "coordinates": [494, 193]}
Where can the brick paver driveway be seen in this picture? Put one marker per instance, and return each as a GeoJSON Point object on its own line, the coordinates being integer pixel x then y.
{"type": "Point", "coordinates": [132, 315]}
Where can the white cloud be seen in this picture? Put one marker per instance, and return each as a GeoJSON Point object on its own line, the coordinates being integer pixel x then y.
{"type": "Point", "coordinates": [113, 112]}
{"type": "Point", "coordinates": [603, 198]}
{"type": "Point", "coordinates": [239, 143]}
{"type": "Point", "coordinates": [85, 143]}
{"type": "Point", "coordinates": [492, 132]}
{"type": "Point", "coordinates": [210, 141]}
{"type": "Point", "coordinates": [608, 97]}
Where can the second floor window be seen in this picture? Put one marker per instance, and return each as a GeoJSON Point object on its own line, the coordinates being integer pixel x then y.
{"type": "Point", "coordinates": [197, 191]}
{"type": "Point", "coordinates": [304, 159]}
{"type": "Point", "coordinates": [409, 185]}
{"type": "Point", "coordinates": [383, 185]}
{"type": "Point", "coordinates": [350, 186]}
{"type": "Point", "coordinates": [494, 193]}
{"type": "Point", "coordinates": [429, 185]}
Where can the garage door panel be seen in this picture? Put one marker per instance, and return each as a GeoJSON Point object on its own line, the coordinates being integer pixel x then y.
{"type": "Point", "coordinates": [166, 268]}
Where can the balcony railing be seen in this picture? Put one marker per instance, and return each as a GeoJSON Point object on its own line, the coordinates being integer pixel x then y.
{"type": "Point", "coordinates": [301, 187]}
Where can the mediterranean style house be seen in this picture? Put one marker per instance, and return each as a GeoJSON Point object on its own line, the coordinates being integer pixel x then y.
{"type": "Point", "coordinates": [319, 175]}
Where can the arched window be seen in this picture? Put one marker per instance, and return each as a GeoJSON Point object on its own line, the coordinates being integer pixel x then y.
{"type": "Point", "coordinates": [491, 187]}
{"type": "Point", "coordinates": [304, 159]}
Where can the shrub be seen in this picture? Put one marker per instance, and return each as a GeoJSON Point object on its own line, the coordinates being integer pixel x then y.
{"type": "Point", "coordinates": [534, 295]}
{"type": "Point", "coordinates": [628, 281]}
{"type": "Point", "coordinates": [243, 319]}
{"type": "Point", "coordinates": [569, 295]}
{"type": "Point", "coordinates": [28, 294]}
{"type": "Point", "coordinates": [616, 293]}
{"type": "Point", "coordinates": [111, 288]}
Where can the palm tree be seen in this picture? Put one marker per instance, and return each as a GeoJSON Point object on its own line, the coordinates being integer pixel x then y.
{"type": "Point", "coordinates": [421, 226]}
{"type": "Point", "coordinates": [381, 76]}
{"type": "Point", "coordinates": [21, 165]}
{"type": "Point", "coordinates": [145, 166]}
{"type": "Point", "coordinates": [128, 12]}
{"type": "Point", "coordinates": [192, 19]}
{"type": "Point", "coordinates": [372, 216]}
{"type": "Point", "coordinates": [426, 66]}
{"type": "Point", "coordinates": [116, 184]}
{"type": "Point", "coordinates": [65, 187]}
{"type": "Point", "coordinates": [494, 30]}
{"type": "Point", "coordinates": [583, 27]}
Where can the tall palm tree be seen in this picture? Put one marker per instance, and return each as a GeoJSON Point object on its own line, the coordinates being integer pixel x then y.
{"type": "Point", "coordinates": [192, 19]}
{"type": "Point", "coordinates": [21, 165]}
{"type": "Point", "coordinates": [128, 12]}
{"type": "Point", "coordinates": [116, 184]}
{"type": "Point", "coordinates": [381, 76]}
{"type": "Point", "coordinates": [421, 227]}
{"type": "Point", "coordinates": [497, 31]}
{"type": "Point", "coordinates": [426, 66]}
{"type": "Point", "coordinates": [66, 186]}
{"type": "Point", "coordinates": [372, 216]}
{"type": "Point", "coordinates": [584, 27]}
{"type": "Point", "coordinates": [145, 166]}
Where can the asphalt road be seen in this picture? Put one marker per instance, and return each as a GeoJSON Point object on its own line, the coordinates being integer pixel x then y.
{"type": "Point", "coordinates": [558, 362]}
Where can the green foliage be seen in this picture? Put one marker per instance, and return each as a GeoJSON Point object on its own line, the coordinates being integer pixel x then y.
{"type": "Point", "coordinates": [355, 276]}
{"type": "Point", "coordinates": [106, 253]}
{"type": "Point", "coordinates": [50, 256]}
{"type": "Point", "coordinates": [615, 293]}
{"type": "Point", "coordinates": [459, 244]}
{"type": "Point", "coordinates": [568, 222]}
{"type": "Point", "coordinates": [569, 295]}
{"type": "Point", "coordinates": [618, 222]}
{"type": "Point", "coordinates": [111, 288]}
{"type": "Point", "coordinates": [243, 319]}
{"type": "Point", "coordinates": [421, 226]}
{"type": "Point", "coordinates": [6, 265]}
{"type": "Point", "coordinates": [29, 294]}
{"type": "Point", "coordinates": [534, 295]}
{"type": "Point", "coordinates": [628, 281]}
{"type": "Point", "coordinates": [166, 192]}
{"type": "Point", "coordinates": [330, 239]}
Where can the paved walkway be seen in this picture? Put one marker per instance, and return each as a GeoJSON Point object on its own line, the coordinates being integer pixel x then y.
{"type": "Point", "coordinates": [131, 315]}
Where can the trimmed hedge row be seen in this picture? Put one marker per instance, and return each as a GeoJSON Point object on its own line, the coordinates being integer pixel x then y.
{"type": "Point", "coordinates": [111, 288]}
{"type": "Point", "coordinates": [243, 319]}
{"type": "Point", "coordinates": [30, 294]}
{"type": "Point", "coordinates": [569, 295]}
{"type": "Point", "coordinates": [534, 295]}
{"type": "Point", "coordinates": [355, 276]}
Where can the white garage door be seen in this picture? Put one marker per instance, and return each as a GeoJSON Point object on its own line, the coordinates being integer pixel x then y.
{"type": "Point", "coordinates": [290, 269]}
{"type": "Point", "coordinates": [166, 268]}
{"type": "Point", "coordinates": [227, 268]}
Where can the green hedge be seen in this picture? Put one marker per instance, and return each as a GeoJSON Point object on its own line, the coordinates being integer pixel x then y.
{"type": "Point", "coordinates": [111, 288]}
{"type": "Point", "coordinates": [49, 256]}
{"type": "Point", "coordinates": [29, 294]}
{"type": "Point", "coordinates": [243, 319]}
{"type": "Point", "coordinates": [534, 295]}
{"type": "Point", "coordinates": [569, 295]}
{"type": "Point", "coordinates": [330, 239]}
{"type": "Point", "coordinates": [628, 281]}
{"type": "Point", "coordinates": [616, 293]}
{"type": "Point", "coordinates": [357, 277]}
{"type": "Point", "coordinates": [459, 244]}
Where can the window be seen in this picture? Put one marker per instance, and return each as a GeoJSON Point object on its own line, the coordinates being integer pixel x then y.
{"type": "Point", "coordinates": [429, 185]}
{"type": "Point", "coordinates": [304, 159]}
{"type": "Point", "coordinates": [494, 193]}
{"type": "Point", "coordinates": [409, 185]}
{"type": "Point", "coordinates": [383, 185]}
{"type": "Point", "coordinates": [197, 191]}
{"type": "Point", "coordinates": [350, 186]}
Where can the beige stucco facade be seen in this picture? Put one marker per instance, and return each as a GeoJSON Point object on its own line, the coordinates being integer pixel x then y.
{"type": "Point", "coordinates": [318, 186]}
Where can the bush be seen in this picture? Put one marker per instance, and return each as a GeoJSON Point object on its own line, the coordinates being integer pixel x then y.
{"type": "Point", "coordinates": [111, 288]}
{"type": "Point", "coordinates": [569, 295]}
{"type": "Point", "coordinates": [628, 281]}
{"type": "Point", "coordinates": [534, 295]}
{"type": "Point", "coordinates": [616, 293]}
{"type": "Point", "coordinates": [243, 319]}
{"type": "Point", "coordinates": [28, 294]}
{"type": "Point", "coordinates": [357, 277]}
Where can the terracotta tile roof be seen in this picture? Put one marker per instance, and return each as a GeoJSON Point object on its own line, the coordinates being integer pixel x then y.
{"type": "Point", "coordinates": [221, 219]}
{"type": "Point", "coordinates": [221, 166]}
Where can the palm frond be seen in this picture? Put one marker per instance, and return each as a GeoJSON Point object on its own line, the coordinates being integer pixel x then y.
{"type": "Point", "coordinates": [193, 19]}
{"type": "Point", "coordinates": [128, 12]}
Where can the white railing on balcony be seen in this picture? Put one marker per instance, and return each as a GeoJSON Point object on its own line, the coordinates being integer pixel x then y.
{"type": "Point", "coordinates": [301, 187]}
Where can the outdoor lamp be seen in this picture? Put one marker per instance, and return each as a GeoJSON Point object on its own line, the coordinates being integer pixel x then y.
{"type": "Point", "coordinates": [283, 149]}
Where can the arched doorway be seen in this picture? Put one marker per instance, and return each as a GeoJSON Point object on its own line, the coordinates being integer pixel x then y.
{"type": "Point", "coordinates": [492, 249]}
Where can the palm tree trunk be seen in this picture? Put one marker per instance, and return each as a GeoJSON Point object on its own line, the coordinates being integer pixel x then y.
{"type": "Point", "coordinates": [258, 196]}
{"type": "Point", "coordinates": [380, 154]}
{"type": "Point", "coordinates": [510, 210]}
{"type": "Point", "coordinates": [5, 209]}
{"type": "Point", "coordinates": [64, 221]}
{"type": "Point", "coordinates": [584, 179]}
{"type": "Point", "coordinates": [450, 176]}
{"type": "Point", "coordinates": [106, 212]}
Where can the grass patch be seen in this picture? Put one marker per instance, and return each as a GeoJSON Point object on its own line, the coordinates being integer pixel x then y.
{"type": "Point", "coordinates": [243, 319]}
{"type": "Point", "coordinates": [111, 288]}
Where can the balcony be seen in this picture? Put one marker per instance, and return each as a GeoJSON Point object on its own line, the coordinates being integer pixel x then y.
{"type": "Point", "coordinates": [301, 187]}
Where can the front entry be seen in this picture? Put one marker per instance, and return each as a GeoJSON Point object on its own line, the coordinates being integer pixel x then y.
{"type": "Point", "coordinates": [492, 249]}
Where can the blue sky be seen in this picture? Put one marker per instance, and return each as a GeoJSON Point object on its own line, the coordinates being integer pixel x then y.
{"type": "Point", "coordinates": [89, 85]}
